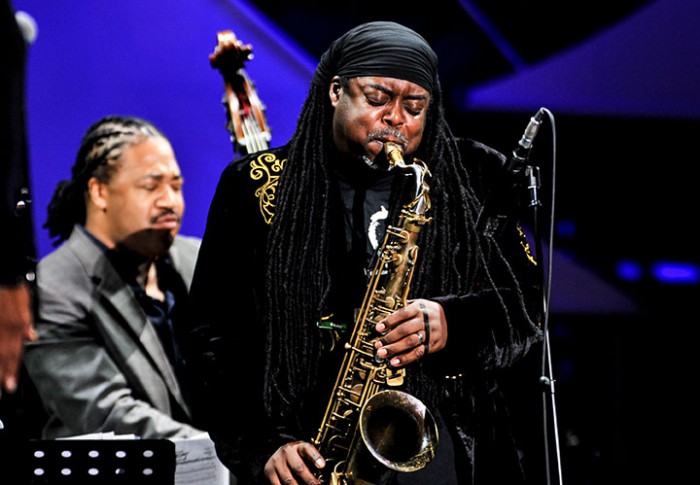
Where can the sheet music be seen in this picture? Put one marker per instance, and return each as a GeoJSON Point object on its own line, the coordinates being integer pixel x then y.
{"type": "Point", "coordinates": [196, 463]}
{"type": "Point", "coordinates": [109, 435]}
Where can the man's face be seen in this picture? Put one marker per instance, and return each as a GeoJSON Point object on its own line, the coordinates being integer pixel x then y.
{"type": "Point", "coordinates": [373, 110]}
{"type": "Point", "coordinates": [144, 203]}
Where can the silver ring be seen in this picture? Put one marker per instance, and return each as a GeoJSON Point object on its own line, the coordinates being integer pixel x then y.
{"type": "Point", "coordinates": [420, 337]}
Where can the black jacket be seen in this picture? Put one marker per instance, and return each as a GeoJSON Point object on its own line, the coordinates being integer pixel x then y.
{"type": "Point", "coordinates": [228, 347]}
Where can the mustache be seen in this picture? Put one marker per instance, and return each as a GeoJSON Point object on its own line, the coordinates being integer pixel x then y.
{"type": "Point", "coordinates": [166, 213]}
{"type": "Point", "coordinates": [388, 134]}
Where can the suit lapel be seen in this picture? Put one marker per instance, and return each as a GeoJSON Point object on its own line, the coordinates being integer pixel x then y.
{"type": "Point", "coordinates": [111, 288]}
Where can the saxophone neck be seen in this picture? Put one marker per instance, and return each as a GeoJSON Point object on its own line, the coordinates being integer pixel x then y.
{"type": "Point", "coordinates": [394, 154]}
{"type": "Point", "coordinates": [421, 198]}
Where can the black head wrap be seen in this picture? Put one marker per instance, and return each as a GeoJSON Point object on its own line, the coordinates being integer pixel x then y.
{"type": "Point", "coordinates": [385, 49]}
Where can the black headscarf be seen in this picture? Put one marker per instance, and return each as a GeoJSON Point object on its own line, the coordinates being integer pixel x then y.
{"type": "Point", "coordinates": [384, 49]}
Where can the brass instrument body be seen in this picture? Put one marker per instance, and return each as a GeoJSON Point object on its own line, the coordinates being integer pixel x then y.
{"type": "Point", "coordinates": [370, 429]}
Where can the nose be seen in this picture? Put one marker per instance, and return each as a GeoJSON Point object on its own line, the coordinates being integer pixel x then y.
{"type": "Point", "coordinates": [169, 197]}
{"type": "Point", "coordinates": [393, 114]}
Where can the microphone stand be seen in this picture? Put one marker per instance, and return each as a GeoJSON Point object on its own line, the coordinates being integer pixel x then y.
{"type": "Point", "coordinates": [532, 179]}
{"type": "Point", "coordinates": [518, 167]}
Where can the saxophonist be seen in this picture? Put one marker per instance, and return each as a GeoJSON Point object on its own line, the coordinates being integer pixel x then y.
{"type": "Point", "coordinates": [292, 231]}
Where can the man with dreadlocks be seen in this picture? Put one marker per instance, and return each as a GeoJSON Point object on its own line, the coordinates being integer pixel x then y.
{"type": "Point", "coordinates": [106, 358]}
{"type": "Point", "coordinates": [292, 231]}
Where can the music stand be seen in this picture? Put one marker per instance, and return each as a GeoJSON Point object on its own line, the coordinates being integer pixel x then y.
{"type": "Point", "coordinates": [109, 462]}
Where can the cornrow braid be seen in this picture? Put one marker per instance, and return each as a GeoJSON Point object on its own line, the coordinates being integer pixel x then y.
{"type": "Point", "coordinates": [98, 156]}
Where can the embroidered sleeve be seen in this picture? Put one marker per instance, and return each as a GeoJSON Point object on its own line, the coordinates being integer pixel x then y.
{"type": "Point", "coordinates": [266, 167]}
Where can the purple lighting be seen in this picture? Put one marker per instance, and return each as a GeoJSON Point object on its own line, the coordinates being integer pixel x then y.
{"type": "Point", "coordinates": [629, 270]}
{"type": "Point", "coordinates": [676, 272]}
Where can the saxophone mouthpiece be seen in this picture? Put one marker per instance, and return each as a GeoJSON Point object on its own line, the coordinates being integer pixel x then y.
{"type": "Point", "coordinates": [394, 154]}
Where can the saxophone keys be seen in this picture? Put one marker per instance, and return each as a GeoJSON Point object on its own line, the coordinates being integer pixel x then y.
{"type": "Point", "coordinates": [395, 377]}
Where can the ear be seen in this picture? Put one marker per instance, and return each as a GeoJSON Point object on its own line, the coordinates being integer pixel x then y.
{"type": "Point", "coordinates": [334, 90]}
{"type": "Point", "coordinates": [97, 193]}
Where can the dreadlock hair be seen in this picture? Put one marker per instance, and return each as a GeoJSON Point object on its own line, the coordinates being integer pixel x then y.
{"type": "Point", "coordinates": [298, 248]}
{"type": "Point", "coordinates": [298, 275]}
{"type": "Point", "coordinates": [98, 156]}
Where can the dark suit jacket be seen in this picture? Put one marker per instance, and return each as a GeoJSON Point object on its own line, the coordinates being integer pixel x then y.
{"type": "Point", "coordinates": [98, 364]}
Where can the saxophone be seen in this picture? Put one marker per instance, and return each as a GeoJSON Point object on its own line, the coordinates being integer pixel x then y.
{"type": "Point", "coordinates": [371, 429]}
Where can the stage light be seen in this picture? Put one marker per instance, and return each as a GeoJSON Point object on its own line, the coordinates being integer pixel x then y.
{"type": "Point", "coordinates": [676, 272]}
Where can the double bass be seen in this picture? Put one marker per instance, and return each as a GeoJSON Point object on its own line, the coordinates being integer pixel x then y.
{"type": "Point", "coordinates": [245, 113]}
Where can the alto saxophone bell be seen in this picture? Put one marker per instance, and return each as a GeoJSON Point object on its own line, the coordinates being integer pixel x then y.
{"type": "Point", "coordinates": [398, 430]}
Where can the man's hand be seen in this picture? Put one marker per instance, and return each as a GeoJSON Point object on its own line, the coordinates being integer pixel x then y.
{"type": "Point", "coordinates": [16, 326]}
{"type": "Point", "coordinates": [411, 332]}
{"type": "Point", "coordinates": [290, 464]}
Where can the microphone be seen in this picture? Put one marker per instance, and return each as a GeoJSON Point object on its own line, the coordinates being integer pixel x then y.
{"type": "Point", "coordinates": [498, 206]}
{"type": "Point", "coordinates": [522, 151]}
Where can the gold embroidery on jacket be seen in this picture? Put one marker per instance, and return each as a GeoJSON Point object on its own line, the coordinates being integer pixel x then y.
{"type": "Point", "coordinates": [526, 246]}
{"type": "Point", "coordinates": [266, 167]}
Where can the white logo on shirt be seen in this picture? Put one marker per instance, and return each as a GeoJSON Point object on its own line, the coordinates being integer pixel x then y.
{"type": "Point", "coordinates": [375, 226]}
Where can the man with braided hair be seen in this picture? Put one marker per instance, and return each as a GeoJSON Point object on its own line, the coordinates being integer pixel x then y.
{"type": "Point", "coordinates": [292, 232]}
{"type": "Point", "coordinates": [106, 358]}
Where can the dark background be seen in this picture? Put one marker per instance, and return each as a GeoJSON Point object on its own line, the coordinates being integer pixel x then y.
{"type": "Point", "coordinates": [618, 161]}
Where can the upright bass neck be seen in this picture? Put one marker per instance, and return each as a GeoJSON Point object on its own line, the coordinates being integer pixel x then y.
{"type": "Point", "coordinates": [245, 113]}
